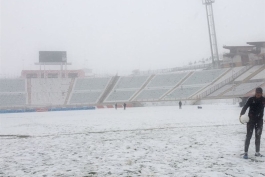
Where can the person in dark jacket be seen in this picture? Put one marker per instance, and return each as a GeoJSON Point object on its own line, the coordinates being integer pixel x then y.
{"type": "Point", "coordinates": [256, 109]}
{"type": "Point", "coordinates": [180, 104]}
{"type": "Point", "coordinates": [124, 106]}
{"type": "Point", "coordinates": [116, 106]}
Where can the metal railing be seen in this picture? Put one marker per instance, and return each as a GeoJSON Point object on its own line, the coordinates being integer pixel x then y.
{"type": "Point", "coordinates": [223, 83]}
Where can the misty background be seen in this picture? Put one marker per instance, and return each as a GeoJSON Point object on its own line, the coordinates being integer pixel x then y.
{"type": "Point", "coordinates": [119, 36]}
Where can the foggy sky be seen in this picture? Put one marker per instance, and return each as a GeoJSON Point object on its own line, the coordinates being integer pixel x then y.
{"type": "Point", "coordinates": [118, 36]}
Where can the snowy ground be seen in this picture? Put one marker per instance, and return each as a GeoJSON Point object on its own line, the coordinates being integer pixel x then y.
{"type": "Point", "coordinates": [149, 141]}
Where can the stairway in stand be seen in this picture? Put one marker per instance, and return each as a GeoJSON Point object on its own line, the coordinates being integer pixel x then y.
{"type": "Point", "coordinates": [143, 86]}
{"type": "Point", "coordinates": [244, 81]}
{"type": "Point", "coordinates": [69, 91]}
{"type": "Point", "coordinates": [108, 89]}
{"type": "Point", "coordinates": [29, 90]}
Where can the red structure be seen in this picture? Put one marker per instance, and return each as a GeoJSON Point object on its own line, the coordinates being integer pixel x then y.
{"type": "Point", "coordinates": [52, 74]}
{"type": "Point", "coordinates": [53, 58]}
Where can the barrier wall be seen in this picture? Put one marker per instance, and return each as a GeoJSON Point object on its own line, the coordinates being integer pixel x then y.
{"type": "Point", "coordinates": [46, 109]}
{"type": "Point", "coordinates": [72, 109]}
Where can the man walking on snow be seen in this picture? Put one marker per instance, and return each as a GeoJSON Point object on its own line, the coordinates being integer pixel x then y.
{"type": "Point", "coordinates": [124, 106]}
{"type": "Point", "coordinates": [256, 109]}
{"type": "Point", "coordinates": [180, 104]}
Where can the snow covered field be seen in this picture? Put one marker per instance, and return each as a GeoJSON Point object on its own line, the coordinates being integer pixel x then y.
{"type": "Point", "coordinates": [146, 141]}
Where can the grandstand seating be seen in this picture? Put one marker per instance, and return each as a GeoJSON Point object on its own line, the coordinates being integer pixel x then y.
{"type": "Point", "coordinates": [12, 99]}
{"type": "Point", "coordinates": [229, 74]}
{"type": "Point", "coordinates": [12, 85]}
{"type": "Point", "coordinates": [88, 90]}
{"type": "Point", "coordinates": [131, 82]}
{"type": "Point", "coordinates": [151, 94]}
{"type": "Point", "coordinates": [91, 83]}
{"type": "Point", "coordinates": [120, 95]}
{"type": "Point", "coordinates": [204, 77]}
{"type": "Point", "coordinates": [221, 90]}
{"type": "Point", "coordinates": [163, 86]}
{"type": "Point", "coordinates": [126, 87]}
{"type": "Point", "coordinates": [252, 92]}
{"type": "Point", "coordinates": [182, 93]}
{"type": "Point", "coordinates": [12, 92]}
{"type": "Point", "coordinates": [244, 88]}
{"type": "Point", "coordinates": [52, 91]}
{"type": "Point", "coordinates": [50, 85]}
{"type": "Point", "coordinates": [248, 73]}
{"type": "Point", "coordinates": [48, 98]}
{"type": "Point", "coordinates": [166, 80]}
{"type": "Point", "coordinates": [85, 97]}
{"type": "Point", "coordinates": [259, 76]}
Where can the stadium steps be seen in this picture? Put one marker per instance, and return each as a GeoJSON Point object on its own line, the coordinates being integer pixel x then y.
{"type": "Point", "coordinates": [243, 81]}
{"type": "Point", "coordinates": [195, 95]}
{"type": "Point", "coordinates": [108, 89]}
{"type": "Point", "coordinates": [178, 84]}
{"type": "Point", "coordinates": [222, 75]}
{"type": "Point", "coordinates": [69, 91]}
{"type": "Point", "coordinates": [252, 92]}
{"type": "Point", "coordinates": [29, 90]}
{"type": "Point", "coordinates": [222, 84]}
{"type": "Point", "coordinates": [253, 74]}
{"type": "Point", "coordinates": [144, 85]}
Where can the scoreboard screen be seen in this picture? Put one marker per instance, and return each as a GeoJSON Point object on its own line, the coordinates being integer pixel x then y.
{"type": "Point", "coordinates": [52, 56]}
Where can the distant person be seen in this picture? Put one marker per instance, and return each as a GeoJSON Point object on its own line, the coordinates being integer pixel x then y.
{"type": "Point", "coordinates": [116, 106]}
{"type": "Point", "coordinates": [180, 104]}
{"type": "Point", "coordinates": [256, 109]}
{"type": "Point", "coordinates": [124, 106]}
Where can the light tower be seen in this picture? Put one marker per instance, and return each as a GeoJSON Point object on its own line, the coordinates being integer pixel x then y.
{"type": "Point", "coordinates": [212, 32]}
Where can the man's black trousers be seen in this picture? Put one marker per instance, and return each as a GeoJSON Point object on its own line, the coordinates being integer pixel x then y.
{"type": "Point", "coordinates": [251, 125]}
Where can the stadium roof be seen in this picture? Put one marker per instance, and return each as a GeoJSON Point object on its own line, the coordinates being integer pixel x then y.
{"type": "Point", "coordinates": [233, 47]}
{"type": "Point", "coordinates": [259, 44]}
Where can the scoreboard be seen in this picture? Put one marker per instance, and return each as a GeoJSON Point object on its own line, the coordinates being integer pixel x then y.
{"type": "Point", "coordinates": [52, 56]}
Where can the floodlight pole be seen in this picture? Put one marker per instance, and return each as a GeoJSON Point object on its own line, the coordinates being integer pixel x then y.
{"type": "Point", "coordinates": [212, 32]}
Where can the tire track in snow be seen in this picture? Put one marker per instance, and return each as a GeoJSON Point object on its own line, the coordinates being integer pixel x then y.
{"type": "Point", "coordinates": [113, 131]}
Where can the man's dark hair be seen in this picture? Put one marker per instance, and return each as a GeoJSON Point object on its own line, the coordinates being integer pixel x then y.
{"type": "Point", "coordinates": [259, 90]}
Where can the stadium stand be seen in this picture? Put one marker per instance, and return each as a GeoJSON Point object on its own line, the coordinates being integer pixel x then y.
{"type": "Point", "coordinates": [50, 91]}
{"type": "Point", "coordinates": [85, 97]}
{"type": "Point", "coordinates": [160, 85]}
{"type": "Point", "coordinates": [12, 92]}
{"type": "Point", "coordinates": [108, 89]}
{"type": "Point", "coordinates": [241, 81]}
{"type": "Point", "coordinates": [131, 82]}
{"type": "Point", "coordinates": [221, 90]}
{"type": "Point", "coordinates": [244, 88]}
{"type": "Point", "coordinates": [91, 83]}
{"type": "Point", "coordinates": [192, 85]}
{"type": "Point", "coordinates": [252, 92]}
{"type": "Point", "coordinates": [12, 99]}
{"type": "Point", "coordinates": [166, 80]}
{"type": "Point", "coordinates": [182, 93]}
{"type": "Point", "coordinates": [230, 73]}
{"type": "Point", "coordinates": [225, 79]}
{"type": "Point", "coordinates": [126, 88]}
{"type": "Point", "coordinates": [259, 76]}
{"type": "Point", "coordinates": [151, 94]}
{"type": "Point", "coordinates": [204, 77]}
{"type": "Point", "coordinates": [248, 73]}
{"type": "Point", "coordinates": [88, 90]}
{"type": "Point", "coordinates": [12, 85]}
{"type": "Point", "coordinates": [120, 95]}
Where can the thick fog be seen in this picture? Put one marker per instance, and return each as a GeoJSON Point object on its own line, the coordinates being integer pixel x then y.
{"type": "Point", "coordinates": [119, 36]}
